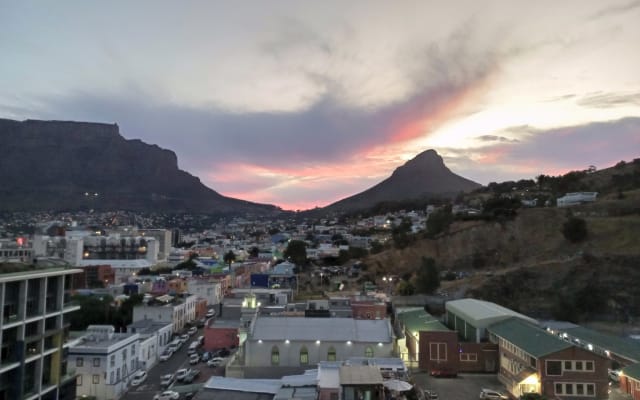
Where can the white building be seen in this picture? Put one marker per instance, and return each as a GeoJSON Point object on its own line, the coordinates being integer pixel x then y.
{"type": "Point", "coordinates": [206, 289]}
{"type": "Point", "coordinates": [104, 361]}
{"type": "Point", "coordinates": [177, 311]}
{"type": "Point", "coordinates": [295, 341]}
{"type": "Point", "coordinates": [576, 198]}
{"type": "Point", "coordinates": [154, 338]}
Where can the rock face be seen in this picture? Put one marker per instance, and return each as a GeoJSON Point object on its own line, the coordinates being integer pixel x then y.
{"type": "Point", "coordinates": [423, 176]}
{"type": "Point", "coordinates": [57, 165]}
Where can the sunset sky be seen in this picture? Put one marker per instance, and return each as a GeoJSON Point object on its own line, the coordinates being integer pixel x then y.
{"type": "Point", "coordinates": [300, 103]}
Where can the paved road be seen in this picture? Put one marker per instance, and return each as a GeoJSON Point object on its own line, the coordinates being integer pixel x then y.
{"type": "Point", "coordinates": [179, 359]}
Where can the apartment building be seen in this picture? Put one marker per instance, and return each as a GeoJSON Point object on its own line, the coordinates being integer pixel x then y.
{"type": "Point", "coordinates": [34, 308]}
{"type": "Point", "coordinates": [105, 362]}
{"type": "Point", "coordinates": [170, 309]}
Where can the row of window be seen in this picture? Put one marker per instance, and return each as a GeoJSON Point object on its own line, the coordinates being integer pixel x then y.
{"type": "Point", "coordinates": [578, 389]}
{"type": "Point", "coordinates": [95, 379]}
{"type": "Point", "coordinates": [304, 354]}
{"type": "Point", "coordinates": [557, 367]}
{"type": "Point", "coordinates": [468, 356]}
{"type": "Point", "coordinates": [517, 351]}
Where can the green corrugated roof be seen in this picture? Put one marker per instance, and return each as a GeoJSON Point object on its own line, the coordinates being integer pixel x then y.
{"type": "Point", "coordinates": [528, 337]}
{"type": "Point", "coordinates": [632, 371]}
{"type": "Point", "coordinates": [417, 319]}
{"type": "Point", "coordinates": [627, 348]}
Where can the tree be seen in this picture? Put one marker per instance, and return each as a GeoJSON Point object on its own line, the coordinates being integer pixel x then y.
{"type": "Point", "coordinates": [405, 288]}
{"type": "Point", "coordinates": [439, 221]}
{"type": "Point", "coordinates": [229, 257]}
{"type": "Point", "coordinates": [296, 252]}
{"type": "Point", "coordinates": [427, 276]}
{"type": "Point", "coordinates": [254, 252]}
{"type": "Point", "coordinates": [575, 229]}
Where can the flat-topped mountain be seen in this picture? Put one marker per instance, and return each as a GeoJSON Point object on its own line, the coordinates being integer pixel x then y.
{"type": "Point", "coordinates": [59, 165]}
{"type": "Point", "coordinates": [423, 176]}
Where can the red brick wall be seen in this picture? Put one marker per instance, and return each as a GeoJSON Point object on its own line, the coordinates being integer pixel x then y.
{"type": "Point", "coordinates": [599, 376]}
{"type": "Point", "coordinates": [218, 338]}
{"type": "Point", "coordinates": [449, 360]}
{"type": "Point", "coordinates": [630, 386]}
{"type": "Point", "coordinates": [485, 356]}
{"type": "Point", "coordinates": [368, 311]}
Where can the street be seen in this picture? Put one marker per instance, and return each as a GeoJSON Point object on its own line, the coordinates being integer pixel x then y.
{"type": "Point", "coordinates": [179, 359]}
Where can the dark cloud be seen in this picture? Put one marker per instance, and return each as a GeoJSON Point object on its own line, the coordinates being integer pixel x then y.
{"type": "Point", "coordinates": [608, 100]}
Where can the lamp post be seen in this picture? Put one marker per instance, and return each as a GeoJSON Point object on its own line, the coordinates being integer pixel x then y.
{"type": "Point", "coordinates": [321, 280]}
{"type": "Point", "coordinates": [388, 282]}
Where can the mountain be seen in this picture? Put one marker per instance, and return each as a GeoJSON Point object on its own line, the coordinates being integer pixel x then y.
{"type": "Point", "coordinates": [423, 176]}
{"type": "Point", "coordinates": [60, 165]}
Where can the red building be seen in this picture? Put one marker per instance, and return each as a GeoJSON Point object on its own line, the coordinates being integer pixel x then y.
{"type": "Point", "coordinates": [201, 308]}
{"type": "Point", "coordinates": [630, 381]}
{"type": "Point", "coordinates": [221, 334]}
{"type": "Point", "coordinates": [94, 276]}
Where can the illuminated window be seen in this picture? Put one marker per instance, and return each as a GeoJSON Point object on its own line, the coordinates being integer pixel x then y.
{"type": "Point", "coordinates": [304, 356]}
{"type": "Point", "coordinates": [331, 354]}
{"type": "Point", "coordinates": [275, 355]}
{"type": "Point", "coordinates": [368, 352]}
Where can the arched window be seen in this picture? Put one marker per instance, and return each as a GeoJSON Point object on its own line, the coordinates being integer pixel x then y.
{"type": "Point", "coordinates": [368, 352]}
{"type": "Point", "coordinates": [275, 356]}
{"type": "Point", "coordinates": [331, 354]}
{"type": "Point", "coordinates": [304, 356]}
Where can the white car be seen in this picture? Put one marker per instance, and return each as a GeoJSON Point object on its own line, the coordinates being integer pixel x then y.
{"type": "Point", "coordinates": [614, 375]}
{"type": "Point", "coordinates": [181, 373]}
{"type": "Point", "coordinates": [166, 355]}
{"type": "Point", "coordinates": [194, 359]}
{"type": "Point", "coordinates": [192, 331]}
{"type": "Point", "coordinates": [167, 380]}
{"type": "Point", "coordinates": [492, 395]}
{"type": "Point", "coordinates": [138, 378]}
{"type": "Point", "coordinates": [167, 395]}
{"type": "Point", "coordinates": [215, 362]}
{"type": "Point", "coordinates": [210, 314]}
{"type": "Point", "coordinates": [183, 339]}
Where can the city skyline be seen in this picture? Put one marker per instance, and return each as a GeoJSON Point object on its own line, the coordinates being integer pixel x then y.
{"type": "Point", "coordinates": [300, 105]}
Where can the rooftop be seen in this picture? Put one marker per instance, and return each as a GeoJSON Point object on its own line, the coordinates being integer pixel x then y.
{"type": "Point", "coordinates": [530, 338]}
{"type": "Point", "coordinates": [632, 371]}
{"type": "Point", "coordinates": [416, 319]}
{"type": "Point", "coordinates": [627, 348]}
{"type": "Point", "coordinates": [14, 272]}
{"type": "Point", "coordinates": [360, 375]}
{"type": "Point", "coordinates": [325, 329]}
{"type": "Point", "coordinates": [482, 313]}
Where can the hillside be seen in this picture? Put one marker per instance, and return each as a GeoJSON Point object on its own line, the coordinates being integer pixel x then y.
{"type": "Point", "coordinates": [58, 165]}
{"type": "Point", "coordinates": [525, 263]}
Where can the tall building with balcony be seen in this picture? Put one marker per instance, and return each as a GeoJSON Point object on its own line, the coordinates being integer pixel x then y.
{"type": "Point", "coordinates": [34, 311]}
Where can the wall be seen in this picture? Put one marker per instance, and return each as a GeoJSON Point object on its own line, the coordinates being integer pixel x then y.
{"type": "Point", "coordinates": [486, 355]}
{"type": "Point", "coordinates": [220, 337]}
{"type": "Point", "coordinates": [435, 360]}
{"type": "Point", "coordinates": [369, 311]}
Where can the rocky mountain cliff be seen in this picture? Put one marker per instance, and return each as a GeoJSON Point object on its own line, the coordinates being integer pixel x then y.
{"type": "Point", "coordinates": [423, 176]}
{"type": "Point", "coordinates": [59, 165]}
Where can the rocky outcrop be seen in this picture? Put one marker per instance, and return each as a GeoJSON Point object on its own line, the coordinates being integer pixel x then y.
{"type": "Point", "coordinates": [60, 165]}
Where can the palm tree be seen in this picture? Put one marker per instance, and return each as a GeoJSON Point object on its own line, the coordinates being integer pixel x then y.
{"type": "Point", "coordinates": [229, 257]}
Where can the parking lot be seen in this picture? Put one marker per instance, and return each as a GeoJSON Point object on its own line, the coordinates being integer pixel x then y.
{"type": "Point", "coordinates": [464, 387]}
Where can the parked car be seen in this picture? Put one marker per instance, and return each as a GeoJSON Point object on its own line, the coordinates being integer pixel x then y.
{"type": "Point", "coordinates": [165, 356]}
{"type": "Point", "coordinates": [184, 338]}
{"type": "Point", "coordinates": [430, 394]}
{"type": "Point", "coordinates": [181, 373]}
{"type": "Point", "coordinates": [211, 313]}
{"type": "Point", "coordinates": [200, 340]}
{"type": "Point", "coordinates": [492, 395]}
{"type": "Point", "coordinates": [205, 356]}
{"type": "Point", "coordinates": [167, 380]}
{"type": "Point", "coordinates": [614, 375]}
{"type": "Point", "coordinates": [192, 331]}
{"type": "Point", "coordinates": [223, 353]}
{"type": "Point", "coordinates": [194, 359]}
{"type": "Point", "coordinates": [215, 362]}
{"type": "Point", "coordinates": [167, 395]}
{"type": "Point", "coordinates": [191, 376]}
{"type": "Point", "coordinates": [443, 372]}
{"type": "Point", "coordinates": [138, 378]}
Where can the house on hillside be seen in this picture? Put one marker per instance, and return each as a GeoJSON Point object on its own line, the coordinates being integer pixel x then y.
{"type": "Point", "coordinates": [576, 198]}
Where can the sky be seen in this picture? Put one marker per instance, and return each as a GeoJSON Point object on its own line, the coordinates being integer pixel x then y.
{"type": "Point", "coordinates": [300, 103]}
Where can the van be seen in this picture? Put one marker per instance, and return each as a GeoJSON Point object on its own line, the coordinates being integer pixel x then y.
{"type": "Point", "coordinates": [193, 347]}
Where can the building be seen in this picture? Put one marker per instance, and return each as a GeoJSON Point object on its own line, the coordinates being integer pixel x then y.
{"type": "Point", "coordinates": [573, 199]}
{"type": "Point", "coordinates": [105, 362]}
{"type": "Point", "coordinates": [154, 337]}
{"type": "Point", "coordinates": [209, 289]}
{"type": "Point", "coordinates": [34, 308]}
{"type": "Point", "coordinates": [300, 342]}
{"type": "Point", "coordinates": [169, 309]}
{"type": "Point", "coordinates": [221, 333]}
{"type": "Point", "coordinates": [533, 360]}
{"type": "Point", "coordinates": [94, 276]}
{"type": "Point", "coordinates": [163, 237]}
{"type": "Point", "coordinates": [630, 381]}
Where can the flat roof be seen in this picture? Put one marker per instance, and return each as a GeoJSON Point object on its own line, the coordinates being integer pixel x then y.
{"type": "Point", "coordinates": [530, 338]}
{"type": "Point", "coordinates": [324, 329]}
{"type": "Point", "coordinates": [329, 375]}
{"type": "Point", "coordinates": [481, 314]}
{"type": "Point", "coordinates": [270, 386]}
{"type": "Point", "coordinates": [37, 273]}
{"type": "Point", "coordinates": [360, 375]}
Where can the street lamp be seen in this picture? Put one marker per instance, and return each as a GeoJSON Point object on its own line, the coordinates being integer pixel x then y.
{"type": "Point", "coordinates": [388, 281]}
{"type": "Point", "coordinates": [321, 280]}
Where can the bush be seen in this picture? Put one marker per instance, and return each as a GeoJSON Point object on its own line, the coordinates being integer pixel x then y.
{"type": "Point", "coordinates": [575, 229]}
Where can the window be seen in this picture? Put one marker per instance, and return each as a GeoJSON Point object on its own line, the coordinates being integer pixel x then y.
{"type": "Point", "coordinates": [331, 354]}
{"type": "Point", "coordinates": [79, 380]}
{"type": "Point", "coordinates": [591, 389]}
{"type": "Point", "coordinates": [96, 379]}
{"type": "Point", "coordinates": [559, 388]}
{"type": "Point", "coordinates": [588, 365]}
{"type": "Point", "coordinates": [79, 361]}
{"type": "Point", "coordinates": [567, 365]}
{"type": "Point", "coordinates": [96, 362]}
{"type": "Point", "coordinates": [112, 380]}
{"type": "Point", "coordinates": [304, 356]}
{"type": "Point", "coordinates": [578, 365]}
{"type": "Point", "coordinates": [469, 357]}
{"type": "Point", "coordinates": [275, 355]}
{"type": "Point", "coordinates": [438, 351]}
{"type": "Point", "coordinates": [124, 354]}
{"type": "Point", "coordinates": [133, 350]}
{"type": "Point", "coordinates": [568, 388]}
{"type": "Point", "coordinates": [579, 388]}
{"type": "Point", "coordinates": [368, 352]}
{"type": "Point", "coordinates": [113, 361]}
{"type": "Point", "coordinates": [554, 368]}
